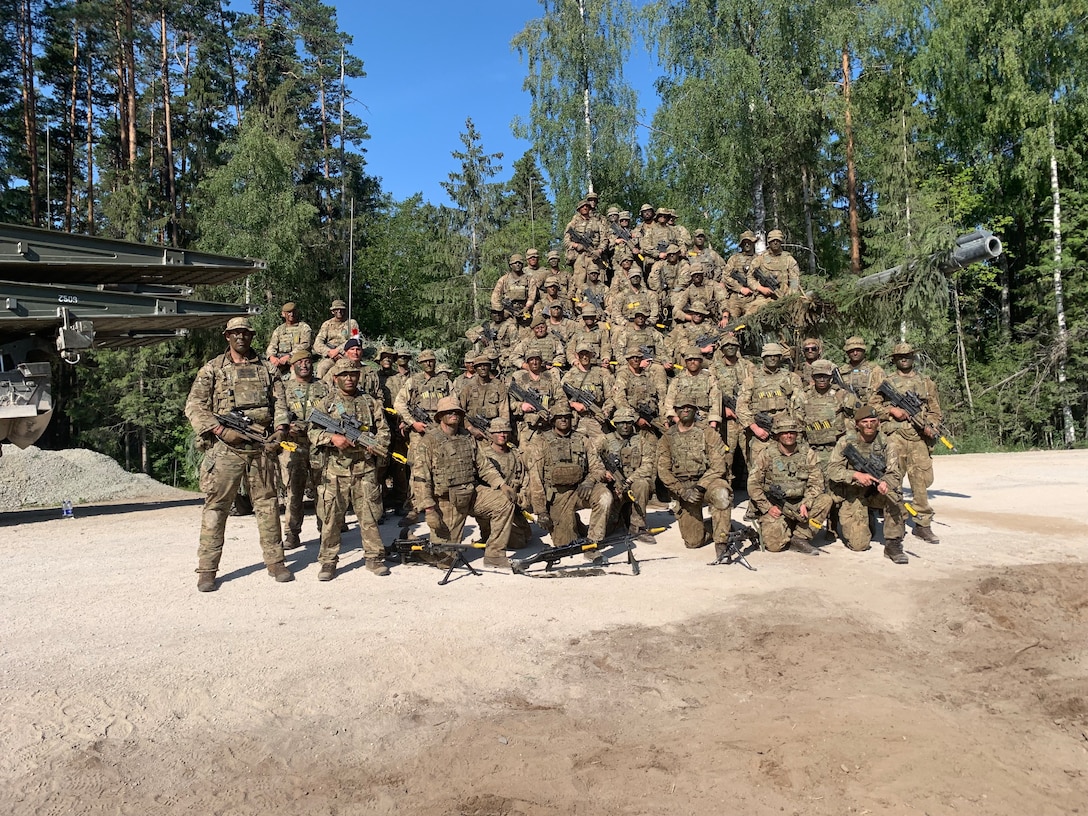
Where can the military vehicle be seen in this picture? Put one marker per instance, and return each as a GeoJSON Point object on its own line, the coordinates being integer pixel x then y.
{"type": "Point", "coordinates": [65, 294]}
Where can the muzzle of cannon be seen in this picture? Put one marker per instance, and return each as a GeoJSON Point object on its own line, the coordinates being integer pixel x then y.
{"type": "Point", "coordinates": [980, 245]}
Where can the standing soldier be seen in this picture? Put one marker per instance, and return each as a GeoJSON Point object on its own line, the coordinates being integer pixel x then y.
{"type": "Point", "coordinates": [730, 369]}
{"type": "Point", "coordinates": [636, 451]}
{"type": "Point", "coordinates": [590, 333]}
{"type": "Point", "coordinates": [858, 374]}
{"type": "Point", "coordinates": [553, 270]}
{"type": "Point", "coordinates": [331, 337]}
{"type": "Point", "coordinates": [667, 276]}
{"type": "Point", "coordinates": [514, 292]}
{"type": "Point", "coordinates": [823, 413]}
{"type": "Point", "coordinates": [594, 293]}
{"type": "Point", "coordinates": [237, 381]}
{"type": "Point", "coordinates": [861, 490]}
{"type": "Point", "coordinates": [399, 497]}
{"type": "Point", "coordinates": [564, 478]}
{"type": "Point", "coordinates": [532, 265]}
{"type": "Point", "coordinates": [694, 386]}
{"type": "Point", "coordinates": [510, 464]}
{"type": "Point", "coordinates": [693, 465]}
{"type": "Point", "coordinates": [629, 293]}
{"type": "Point", "coordinates": [585, 240]}
{"type": "Point", "coordinates": [368, 377]}
{"type": "Point", "coordinates": [775, 266]}
{"type": "Point", "coordinates": [546, 383]}
{"type": "Point", "coordinates": [351, 472]}
{"type": "Point", "coordinates": [287, 338]}
{"type": "Point", "coordinates": [297, 469]}
{"type": "Point", "coordinates": [462, 380]}
{"type": "Point", "coordinates": [421, 391]}
{"type": "Point", "coordinates": [736, 275]}
{"type": "Point", "coordinates": [596, 382]}
{"type": "Point", "coordinates": [445, 471]}
{"type": "Point", "coordinates": [640, 388]}
{"type": "Point", "coordinates": [702, 253]}
{"type": "Point", "coordinates": [485, 397]}
{"type": "Point", "coordinates": [812, 350]}
{"type": "Point", "coordinates": [655, 237]}
{"type": "Point", "coordinates": [486, 335]}
{"type": "Point", "coordinates": [915, 446]}
{"type": "Point", "coordinates": [768, 391]}
{"type": "Point", "coordinates": [793, 474]}
{"type": "Point", "coordinates": [711, 294]}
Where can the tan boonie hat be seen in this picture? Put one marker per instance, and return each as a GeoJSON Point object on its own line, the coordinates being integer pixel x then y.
{"type": "Point", "coordinates": [539, 320]}
{"type": "Point", "coordinates": [902, 350]}
{"type": "Point", "coordinates": [775, 235]}
{"type": "Point", "coordinates": [338, 304]}
{"type": "Point", "coordinates": [580, 204]}
{"type": "Point", "coordinates": [625, 214]}
{"type": "Point", "coordinates": [645, 207]}
{"type": "Point", "coordinates": [699, 231]}
{"type": "Point", "coordinates": [633, 351]}
{"type": "Point", "coordinates": [236, 323]}
{"type": "Point", "coordinates": [386, 351]}
{"type": "Point", "coordinates": [426, 355]}
{"type": "Point", "coordinates": [613, 211]}
{"type": "Point", "coordinates": [515, 258]}
{"type": "Point", "coordinates": [300, 355]}
{"type": "Point", "coordinates": [446, 405]}
{"type": "Point", "coordinates": [671, 248]}
{"type": "Point", "coordinates": [560, 407]}
{"type": "Point", "coordinates": [770, 349]}
{"type": "Point", "coordinates": [551, 280]}
{"type": "Point", "coordinates": [532, 253]}
{"type": "Point", "coordinates": [481, 359]}
{"type": "Point", "coordinates": [592, 196]}
{"type": "Point", "coordinates": [697, 307]}
{"type": "Point", "coordinates": [470, 358]}
{"type": "Point", "coordinates": [825, 367]}
{"type": "Point", "coordinates": [289, 306]}
{"type": "Point", "coordinates": [854, 342]}
{"type": "Point", "coordinates": [346, 366]}
{"type": "Point", "coordinates": [784, 422]}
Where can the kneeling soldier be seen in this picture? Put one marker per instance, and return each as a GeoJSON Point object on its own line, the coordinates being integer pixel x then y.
{"type": "Point", "coordinates": [861, 490]}
{"type": "Point", "coordinates": [634, 452]}
{"type": "Point", "coordinates": [786, 487]}
{"type": "Point", "coordinates": [350, 472]}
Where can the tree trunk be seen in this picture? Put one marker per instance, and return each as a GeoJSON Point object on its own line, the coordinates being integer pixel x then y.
{"type": "Point", "coordinates": [24, 24]}
{"type": "Point", "coordinates": [1062, 351]}
{"type": "Point", "coordinates": [806, 198]}
{"type": "Point", "coordinates": [130, 86]}
{"type": "Point", "coordinates": [168, 148]}
{"type": "Point", "coordinates": [230, 66]}
{"type": "Point", "coordinates": [70, 148]}
{"type": "Point", "coordinates": [759, 209]}
{"type": "Point", "coordinates": [90, 142]}
{"type": "Point", "coordinates": [851, 179]}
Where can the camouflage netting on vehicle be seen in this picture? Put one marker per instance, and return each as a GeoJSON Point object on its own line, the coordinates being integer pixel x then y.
{"type": "Point", "coordinates": [39, 478]}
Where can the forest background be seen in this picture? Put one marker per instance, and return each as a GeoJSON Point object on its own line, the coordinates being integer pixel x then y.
{"type": "Point", "coordinates": [871, 132]}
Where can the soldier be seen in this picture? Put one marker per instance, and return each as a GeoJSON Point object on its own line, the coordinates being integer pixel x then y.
{"type": "Point", "coordinates": [702, 253]}
{"type": "Point", "coordinates": [532, 264]}
{"type": "Point", "coordinates": [563, 478]}
{"type": "Point", "coordinates": [542, 342]}
{"type": "Point", "coordinates": [287, 338]}
{"type": "Point", "coordinates": [668, 275]}
{"type": "Point", "coordinates": [594, 293]}
{"type": "Point", "coordinates": [467, 374]}
{"type": "Point", "coordinates": [553, 270]}
{"type": "Point", "coordinates": [860, 490]}
{"type": "Point", "coordinates": [712, 295]}
{"type": "Point", "coordinates": [486, 335]}
{"type": "Point", "coordinates": [484, 397]}
{"type": "Point", "coordinates": [544, 382]}
{"type": "Point", "coordinates": [655, 238]}
{"type": "Point", "coordinates": [350, 474]}
{"type": "Point", "coordinates": [514, 292]}
{"type": "Point", "coordinates": [552, 297]}
{"type": "Point", "coordinates": [627, 297]}
{"type": "Point", "coordinates": [693, 465]}
{"type": "Point", "coordinates": [777, 264]}
{"type": "Point", "coordinates": [387, 358]}
{"type": "Point", "coordinates": [694, 386]}
{"type": "Point", "coordinates": [368, 377]}
{"type": "Point", "coordinates": [398, 498]}
{"type": "Point", "coordinates": [655, 349]}
{"type": "Point", "coordinates": [730, 369]}
{"type": "Point", "coordinates": [597, 381]}
{"type": "Point", "coordinates": [915, 446]}
{"type": "Point", "coordinates": [812, 350]}
{"type": "Point", "coordinates": [584, 240]}
{"type": "Point", "coordinates": [690, 332]}
{"type": "Point", "coordinates": [796, 472]}
{"type": "Point", "coordinates": [590, 333]}
{"type": "Point", "coordinates": [237, 380]}
{"type": "Point", "coordinates": [297, 469]}
{"type": "Point", "coordinates": [737, 273]}
{"type": "Point", "coordinates": [858, 374]}
{"type": "Point", "coordinates": [636, 451]}
{"type": "Point", "coordinates": [767, 391]}
{"type": "Point", "coordinates": [823, 413]}
{"type": "Point", "coordinates": [331, 337]}
{"type": "Point", "coordinates": [445, 473]}
{"type": "Point", "coordinates": [680, 232]}
{"type": "Point", "coordinates": [510, 464]}
{"type": "Point", "coordinates": [646, 216]}
{"type": "Point", "coordinates": [422, 390]}
{"type": "Point", "coordinates": [640, 388]}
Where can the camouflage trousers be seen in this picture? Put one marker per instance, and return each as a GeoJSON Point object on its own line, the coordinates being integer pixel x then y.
{"type": "Point", "coordinates": [221, 473]}
{"type": "Point", "coordinates": [917, 461]}
{"type": "Point", "coordinates": [563, 509]}
{"type": "Point", "coordinates": [446, 519]}
{"type": "Point", "coordinates": [689, 515]}
{"type": "Point", "coordinates": [777, 532]}
{"type": "Point", "coordinates": [854, 516]}
{"type": "Point", "coordinates": [520, 532]}
{"type": "Point", "coordinates": [633, 513]}
{"type": "Point", "coordinates": [364, 494]}
{"type": "Point", "coordinates": [296, 475]}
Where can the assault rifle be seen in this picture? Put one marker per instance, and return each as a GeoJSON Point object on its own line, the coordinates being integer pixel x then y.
{"type": "Point", "coordinates": [553, 555]}
{"type": "Point", "coordinates": [482, 424]}
{"type": "Point", "coordinates": [353, 429]}
{"type": "Point", "coordinates": [765, 421]}
{"type": "Point", "coordinates": [649, 355]}
{"type": "Point", "coordinates": [837, 380]}
{"type": "Point", "coordinates": [515, 307]}
{"type": "Point", "coordinates": [912, 404]}
{"type": "Point", "coordinates": [644, 411]}
{"type": "Point", "coordinates": [739, 276]}
{"type": "Point", "coordinates": [731, 551]}
{"type": "Point", "coordinates": [628, 239]}
{"type": "Point", "coordinates": [767, 279]}
{"type": "Point", "coordinates": [587, 399]}
{"type": "Point", "coordinates": [240, 423]}
{"type": "Point", "coordinates": [405, 548]}
{"type": "Point", "coordinates": [777, 496]}
{"type": "Point", "coordinates": [716, 336]}
{"type": "Point", "coordinates": [421, 415]}
{"type": "Point", "coordinates": [875, 466]}
{"type": "Point", "coordinates": [591, 297]}
{"type": "Point", "coordinates": [530, 395]}
{"type": "Point", "coordinates": [583, 240]}
{"type": "Point", "coordinates": [621, 485]}
{"type": "Point", "coordinates": [490, 334]}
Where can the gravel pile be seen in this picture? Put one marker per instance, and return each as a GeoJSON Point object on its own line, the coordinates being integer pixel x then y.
{"type": "Point", "coordinates": [38, 478]}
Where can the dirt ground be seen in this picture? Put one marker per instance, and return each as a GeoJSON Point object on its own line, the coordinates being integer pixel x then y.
{"type": "Point", "coordinates": [834, 685]}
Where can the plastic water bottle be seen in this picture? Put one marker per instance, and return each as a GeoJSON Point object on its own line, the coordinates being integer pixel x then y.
{"type": "Point", "coordinates": [66, 509]}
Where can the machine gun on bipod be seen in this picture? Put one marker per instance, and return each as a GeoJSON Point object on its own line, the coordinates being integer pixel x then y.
{"type": "Point", "coordinates": [731, 551]}
{"type": "Point", "coordinates": [406, 548]}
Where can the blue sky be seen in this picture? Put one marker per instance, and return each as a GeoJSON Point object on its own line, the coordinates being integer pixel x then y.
{"type": "Point", "coordinates": [430, 66]}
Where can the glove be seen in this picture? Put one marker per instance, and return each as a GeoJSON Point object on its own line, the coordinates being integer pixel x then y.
{"type": "Point", "coordinates": [585, 490]}
{"type": "Point", "coordinates": [232, 437]}
{"type": "Point", "coordinates": [545, 521]}
{"type": "Point", "coordinates": [693, 495]}
{"type": "Point", "coordinates": [510, 493]}
{"type": "Point", "coordinates": [272, 443]}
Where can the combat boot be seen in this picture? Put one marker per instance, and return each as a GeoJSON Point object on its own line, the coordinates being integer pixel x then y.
{"type": "Point", "coordinates": [291, 541]}
{"type": "Point", "coordinates": [643, 536]}
{"type": "Point", "coordinates": [205, 582]}
{"type": "Point", "coordinates": [926, 534]}
{"type": "Point", "coordinates": [893, 549]}
{"type": "Point", "coordinates": [377, 567]}
{"type": "Point", "coordinates": [281, 573]}
{"type": "Point", "coordinates": [327, 573]}
{"type": "Point", "coordinates": [800, 545]}
{"type": "Point", "coordinates": [594, 556]}
{"type": "Point", "coordinates": [497, 561]}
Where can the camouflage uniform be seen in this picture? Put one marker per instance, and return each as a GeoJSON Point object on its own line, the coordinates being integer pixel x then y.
{"type": "Point", "coordinates": [581, 257]}
{"type": "Point", "coordinates": [700, 390]}
{"type": "Point", "coordinates": [693, 465]}
{"type": "Point", "coordinates": [782, 266]}
{"type": "Point", "coordinates": [853, 513]}
{"type": "Point", "coordinates": [799, 475]}
{"type": "Point", "coordinates": [864, 377]}
{"type": "Point", "coordinates": [351, 476]}
{"type": "Point", "coordinates": [599, 383]}
{"type": "Point", "coordinates": [769, 392]}
{"type": "Point", "coordinates": [547, 384]}
{"type": "Point", "coordinates": [710, 260]}
{"type": "Point", "coordinates": [250, 387]}
{"type": "Point", "coordinates": [638, 456]}
{"type": "Point", "coordinates": [297, 470]}
{"type": "Point", "coordinates": [333, 334]}
{"type": "Point", "coordinates": [510, 464]}
{"type": "Point", "coordinates": [730, 374]}
{"type": "Point", "coordinates": [645, 389]}
{"type": "Point", "coordinates": [516, 287]}
{"type": "Point", "coordinates": [288, 339]}
{"type": "Point", "coordinates": [736, 275]}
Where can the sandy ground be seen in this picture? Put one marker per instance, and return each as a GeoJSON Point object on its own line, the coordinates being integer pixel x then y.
{"type": "Point", "coordinates": [834, 685]}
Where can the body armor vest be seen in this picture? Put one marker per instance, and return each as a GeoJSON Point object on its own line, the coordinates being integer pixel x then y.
{"type": "Point", "coordinates": [694, 389]}
{"type": "Point", "coordinates": [483, 399]}
{"type": "Point", "coordinates": [771, 392]}
{"type": "Point", "coordinates": [246, 387]}
{"type": "Point", "coordinates": [789, 472]}
{"type": "Point", "coordinates": [454, 462]}
{"type": "Point", "coordinates": [823, 422]}
{"type": "Point", "coordinates": [689, 459]}
{"type": "Point", "coordinates": [565, 460]}
{"type": "Point", "coordinates": [428, 391]}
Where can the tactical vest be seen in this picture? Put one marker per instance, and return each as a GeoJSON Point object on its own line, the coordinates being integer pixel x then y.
{"type": "Point", "coordinates": [695, 390]}
{"type": "Point", "coordinates": [629, 450]}
{"type": "Point", "coordinates": [565, 460]}
{"type": "Point", "coordinates": [429, 390]}
{"type": "Point", "coordinates": [858, 379]}
{"type": "Point", "coordinates": [823, 422]}
{"type": "Point", "coordinates": [301, 397]}
{"type": "Point", "coordinates": [509, 466]}
{"type": "Point", "coordinates": [483, 399]}
{"type": "Point", "coordinates": [789, 472]}
{"type": "Point", "coordinates": [336, 332]}
{"type": "Point", "coordinates": [771, 392]}
{"type": "Point", "coordinates": [729, 378]}
{"type": "Point", "coordinates": [591, 381]}
{"type": "Point", "coordinates": [287, 337]}
{"type": "Point", "coordinates": [516, 288]}
{"type": "Point", "coordinates": [338, 404]}
{"type": "Point", "coordinates": [689, 455]}
{"type": "Point", "coordinates": [640, 391]}
{"type": "Point", "coordinates": [246, 387]}
{"type": "Point", "coordinates": [454, 462]}
{"type": "Point", "coordinates": [917, 384]}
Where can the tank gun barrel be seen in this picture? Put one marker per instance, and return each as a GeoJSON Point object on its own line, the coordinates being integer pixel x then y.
{"type": "Point", "coordinates": [980, 245]}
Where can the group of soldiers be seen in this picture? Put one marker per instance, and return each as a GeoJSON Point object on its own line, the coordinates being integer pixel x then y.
{"type": "Point", "coordinates": [577, 394]}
